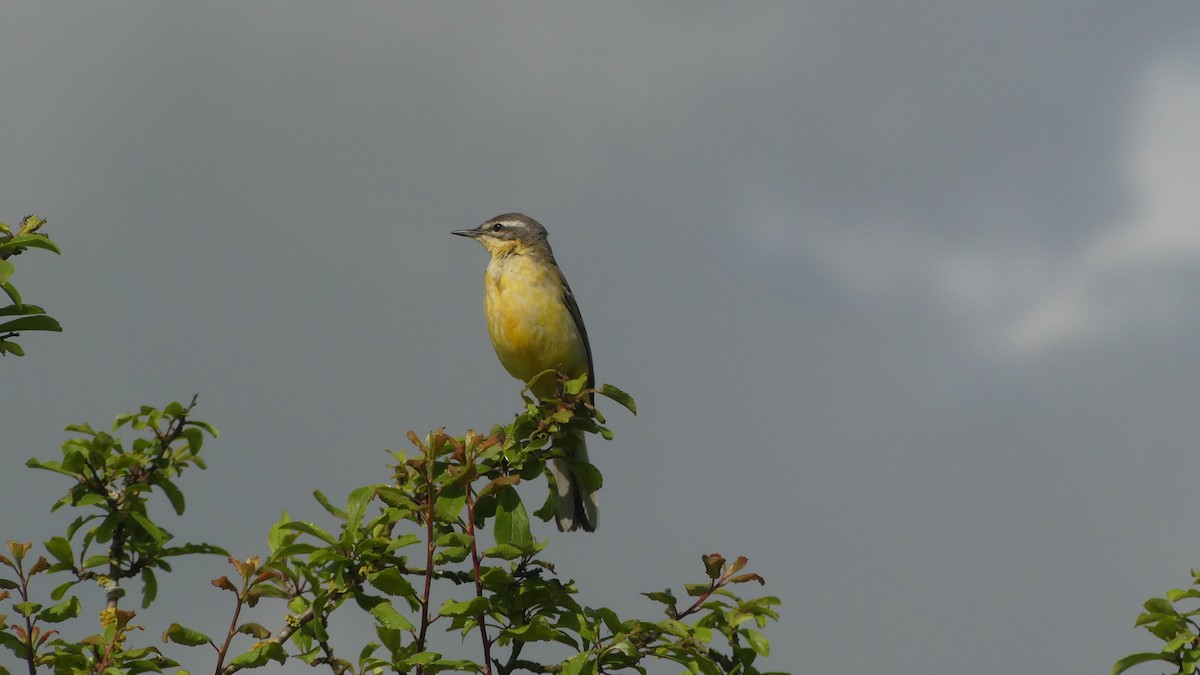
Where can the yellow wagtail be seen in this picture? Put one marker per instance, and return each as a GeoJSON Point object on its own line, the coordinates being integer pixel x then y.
{"type": "Point", "coordinates": [535, 326]}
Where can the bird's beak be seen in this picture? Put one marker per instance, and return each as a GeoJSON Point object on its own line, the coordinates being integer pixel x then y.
{"type": "Point", "coordinates": [474, 234]}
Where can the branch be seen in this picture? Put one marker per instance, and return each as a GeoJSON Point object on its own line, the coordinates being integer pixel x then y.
{"type": "Point", "coordinates": [292, 625]}
{"type": "Point", "coordinates": [224, 649]}
{"type": "Point", "coordinates": [430, 547]}
{"type": "Point", "coordinates": [482, 617]}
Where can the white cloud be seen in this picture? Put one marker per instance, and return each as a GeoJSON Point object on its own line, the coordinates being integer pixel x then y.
{"type": "Point", "coordinates": [1129, 273]}
{"type": "Point", "coordinates": [1009, 291]}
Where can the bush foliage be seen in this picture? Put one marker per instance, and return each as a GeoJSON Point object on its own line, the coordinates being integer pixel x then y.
{"type": "Point", "coordinates": [445, 544]}
{"type": "Point", "coordinates": [28, 317]}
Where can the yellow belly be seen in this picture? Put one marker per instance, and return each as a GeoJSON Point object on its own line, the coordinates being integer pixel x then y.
{"type": "Point", "coordinates": [530, 326]}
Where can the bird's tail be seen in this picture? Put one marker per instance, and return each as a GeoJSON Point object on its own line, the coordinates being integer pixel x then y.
{"type": "Point", "coordinates": [576, 507]}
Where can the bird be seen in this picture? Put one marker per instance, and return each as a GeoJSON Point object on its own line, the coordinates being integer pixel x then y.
{"type": "Point", "coordinates": [535, 325]}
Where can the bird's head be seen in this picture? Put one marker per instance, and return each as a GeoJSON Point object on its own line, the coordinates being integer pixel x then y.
{"type": "Point", "coordinates": [509, 233]}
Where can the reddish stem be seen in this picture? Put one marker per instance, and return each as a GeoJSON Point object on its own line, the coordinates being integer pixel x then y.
{"type": "Point", "coordinates": [482, 617]}
{"type": "Point", "coordinates": [224, 650]}
{"type": "Point", "coordinates": [429, 549]}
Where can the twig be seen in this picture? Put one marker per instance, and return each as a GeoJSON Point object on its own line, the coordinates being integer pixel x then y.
{"type": "Point", "coordinates": [430, 547]}
{"type": "Point", "coordinates": [482, 617]}
{"type": "Point", "coordinates": [28, 623]}
{"type": "Point", "coordinates": [224, 650]}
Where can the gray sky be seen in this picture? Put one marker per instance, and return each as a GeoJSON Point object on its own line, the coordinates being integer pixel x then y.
{"type": "Point", "coordinates": [905, 291]}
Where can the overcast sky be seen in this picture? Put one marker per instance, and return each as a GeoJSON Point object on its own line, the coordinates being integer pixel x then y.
{"type": "Point", "coordinates": [906, 292]}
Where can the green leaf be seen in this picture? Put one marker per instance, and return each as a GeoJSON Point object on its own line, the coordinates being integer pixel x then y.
{"type": "Point", "coordinates": [574, 386]}
{"type": "Point", "coordinates": [60, 548]}
{"type": "Point", "coordinates": [6, 271]}
{"type": "Point", "coordinates": [580, 664]}
{"type": "Point", "coordinates": [402, 541]}
{"type": "Point", "coordinates": [173, 493]}
{"type": "Point", "coordinates": [453, 539]}
{"type": "Point", "coordinates": [422, 658]}
{"type": "Point", "coordinates": [67, 609]}
{"type": "Point", "coordinates": [61, 590]}
{"type": "Point", "coordinates": [194, 438]}
{"type": "Point", "coordinates": [1159, 605]}
{"type": "Point", "coordinates": [367, 650]}
{"type": "Point", "coordinates": [27, 609]}
{"type": "Point", "coordinates": [276, 537]}
{"type": "Point", "coordinates": [614, 394]}
{"type": "Point", "coordinates": [450, 503]}
{"type": "Point", "coordinates": [188, 549]}
{"type": "Point", "coordinates": [537, 630]}
{"type": "Point", "coordinates": [156, 533]}
{"type": "Point", "coordinates": [1135, 659]}
{"type": "Point", "coordinates": [497, 483]}
{"type": "Point", "coordinates": [39, 322]}
{"type": "Point", "coordinates": [18, 306]}
{"type": "Point", "coordinates": [292, 550]}
{"type": "Point", "coordinates": [393, 640]}
{"type": "Point", "coordinates": [512, 522]}
{"type": "Point", "coordinates": [611, 621]}
{"type": "Point", "coordinates": [35, 463]}
{"type": "Point", "coordinates": [454, 664]}
{"type": "Point", "coordinates": [88, 499]}
{"type": "Point", "coordinates": [1176, 594]}
{"type": "Point", "coordinates": [390, 581]}
{"type": "Point", "coordinates": [388, 617]}
{"type": "Point", "coordinates": [504, 552]}
{"type": "Point", "coordinates": [451, 554]}
{"type": "Point", "coordinates": [310, 529]}
{"type": "Point", "coordinates": [396, 498]}
{"type": "Point", "coordinates": [472, 607]}
{"type": "Point", "coordinates": [25, 308]}
{"type": "Point", "coordinates": [328, 506]}
{"type": "Point", "coordinates": [549, 507]}
{"type": "Point", "coordinates": [356, 504]}
{"type": "Point", "coordinates": [757, 642]}
{"type": "Point", "coordinates": [256, 630]}
{"type": "Point", "coordinates": [665, 597]}
{"type": "Point", "coordinates": [10, 347]}
{"type": "Point", "coordinates": [149, 587]}
{"type": "Point", "coordinates": [9, 640]}
{"type": "Point", "coordinates": [260, 655]}
{"type": "Point", "coordinates": [32, 241]}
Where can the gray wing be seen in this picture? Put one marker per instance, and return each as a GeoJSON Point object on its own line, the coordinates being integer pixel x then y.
{"type": "Point", "coordinates": [573, 308]}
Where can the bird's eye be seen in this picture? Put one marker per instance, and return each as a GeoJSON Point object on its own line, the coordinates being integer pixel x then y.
{"type": "Point", "coordinates": [496, 227]}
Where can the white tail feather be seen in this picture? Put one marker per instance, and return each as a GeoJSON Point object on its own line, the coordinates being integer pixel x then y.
{"type": "Point", "coordinates": [575, 507]}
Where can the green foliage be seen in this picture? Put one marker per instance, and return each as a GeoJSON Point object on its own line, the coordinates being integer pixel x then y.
{"type": "Point", "coordinates": [446, 543]}
{"type": "Point", "coordinates": [112, 482]}
{"type": "Point", "coordinates": [30, 317]}
{"type": "Point", "coordinates": [1175, 626]}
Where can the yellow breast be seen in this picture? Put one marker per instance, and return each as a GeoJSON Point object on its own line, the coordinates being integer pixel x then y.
{"type": "Point", "coordinates": [531, 328]}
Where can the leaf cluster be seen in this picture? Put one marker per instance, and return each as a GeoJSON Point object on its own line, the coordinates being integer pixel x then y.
{"type": "Point", "coordinates": [29, 317]}
{"type": "Point", "coordinates": [1169, 619]}
{"type": "Point", "coordinates": [114, 539]}
{"type": "Point", "coordinates": [445, 546]}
